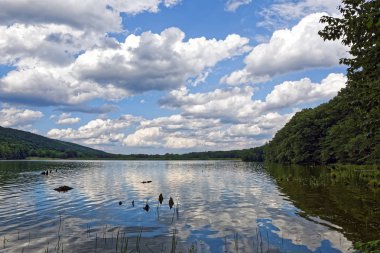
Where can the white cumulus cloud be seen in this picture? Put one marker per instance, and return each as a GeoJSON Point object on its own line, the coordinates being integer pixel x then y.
{"type": "Point", "coordinates": [230, 118]}
{"type": "Point", "coordinates": [293, 93]}
{"type": "Point", "coordinates": [109, 71]}
{"type": "Point", "coordinates": [237, 104]}
{"type": "Point", "coordinates": [180, 132]}
{"type": "Point", "coordinates": [156, 61]}
{"type": "Point", "coordinates": [145, 137]}
{"type": "Point", "coordinates": [52, 85]}
{"type": "Point", "coordinates": [67, 119]}
{"type": "Point", "coordinates": [174, 132]}
{"type": "Point", "coordinates": [232, 104]}
{"type": "Point", "coordinates": [15, 117]}
{"type": "Point", "coordinates": [98, 131]}
{"type": "Point", "coordinates": [91, 15]}
{"type": "Point", "coordinates": [53, 43]}
{"type": "Point", "coordinates": [289, 50]}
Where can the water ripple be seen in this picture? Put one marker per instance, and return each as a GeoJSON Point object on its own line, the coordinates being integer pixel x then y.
{"type": "Point", "coordinates": [214, 202]}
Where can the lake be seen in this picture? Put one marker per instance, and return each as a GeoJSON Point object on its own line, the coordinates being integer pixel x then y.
{"type": "Point", "coordinates": [219, 206]}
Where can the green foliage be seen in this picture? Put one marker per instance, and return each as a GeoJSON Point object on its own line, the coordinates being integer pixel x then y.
{"type": "Point", "coordinates": [372, 246]}
{"type": "Point", "coordinates": [368, 175]}
{"type": "Point", "coordinates": [359, 29]}
{"type": "Point", "coordinates": [253, 154]}
{"type": "Point", "coordinates": [346, 129]}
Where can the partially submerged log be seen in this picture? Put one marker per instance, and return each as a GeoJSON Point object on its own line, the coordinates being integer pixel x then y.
{"type": "Point", "coordinates": [63, 188]}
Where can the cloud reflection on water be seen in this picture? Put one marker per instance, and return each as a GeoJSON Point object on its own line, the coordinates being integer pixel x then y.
{"type": "Point", "coordinates": [216, 200]}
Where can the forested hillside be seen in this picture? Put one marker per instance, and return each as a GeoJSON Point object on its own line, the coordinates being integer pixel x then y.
{"type": "Point", "coordinates": [346, 129]}
{"type": "Point", "coordinates": [16, 144]}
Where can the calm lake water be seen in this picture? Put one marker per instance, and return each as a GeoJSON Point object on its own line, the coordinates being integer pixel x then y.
{"type": "Point", "coordinates": [220, 206]}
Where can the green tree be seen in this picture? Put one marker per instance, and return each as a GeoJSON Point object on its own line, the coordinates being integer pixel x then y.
{"type": "Point", "coordinates": [358, 27]}
{"type": "Point", "coordinates": [346, 129]}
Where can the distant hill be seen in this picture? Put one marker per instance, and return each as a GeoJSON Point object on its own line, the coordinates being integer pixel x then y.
{"type": "Point", "coordinates": [17, 144]}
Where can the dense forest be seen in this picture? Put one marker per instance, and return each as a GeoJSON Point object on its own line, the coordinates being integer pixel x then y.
{"type": "Point", "coordinates": [346, 129]}
{"type": "Point", "coordinates": [16, 144]}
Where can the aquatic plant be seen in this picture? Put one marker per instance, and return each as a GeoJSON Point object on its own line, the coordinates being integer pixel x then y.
{"type": "Point", "coordinates": [368, 247]}
{"type": "Point", "coordinates": [146, 207]}
{"type": "Point", "coordinates": [171, 202]}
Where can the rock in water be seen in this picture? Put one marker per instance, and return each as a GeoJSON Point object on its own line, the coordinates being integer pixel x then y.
{"type": "Point", "coordinates": [63, 188]}
{"type": "Point", "coordinates": [120, 203]}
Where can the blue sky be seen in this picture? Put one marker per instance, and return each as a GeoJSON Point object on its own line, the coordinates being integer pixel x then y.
{"type": "Point", "coordinates": [157, 76]}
